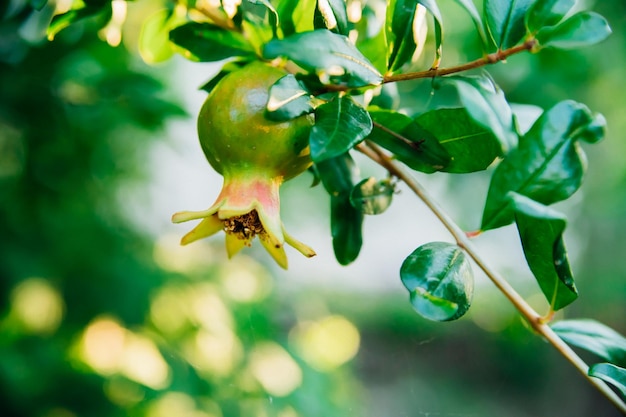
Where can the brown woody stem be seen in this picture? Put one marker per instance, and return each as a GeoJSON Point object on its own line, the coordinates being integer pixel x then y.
{"type": "Point", "coordinates": [492, 58]}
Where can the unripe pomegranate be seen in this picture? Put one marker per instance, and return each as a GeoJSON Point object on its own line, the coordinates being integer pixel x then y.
{"type": "Point", "coordinates": [255, 156]}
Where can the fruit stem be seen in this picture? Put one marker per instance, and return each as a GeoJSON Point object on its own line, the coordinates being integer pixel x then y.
{"type": "Point", "coordinates": [536, 321]}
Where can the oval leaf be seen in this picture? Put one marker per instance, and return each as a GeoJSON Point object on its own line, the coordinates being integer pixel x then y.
{"type": "Point", "coordinates": [440, 281]}
{"type": "Point", "coordinates": [486, 104]}
{"type": "Point", "coordinates": [610, 373]}
{"type": "Point", "coordinates": [400, 31]}
{"type": "Point", "coordinates": [582, 29]}
{"type": "Point", "coordinates": [594, 337]}
{"type": "Point", "coordinates": [547, 166]}
{"type": "Point", "coordinates": [332, 57]}
{"type": "Point", "coordinates": [505, 21]}
{"type": "Point", "coordinates": [541, 232]}
{"type": "Point", "coordinates": [206, 43]}
{"type": "Point", "coordinates": [339, 125]}
{"type": "Point", "coordinates": [547, 13]}
{"type": "Point", "coordinates": [408, 141]}
{"type": "Point", "coordinates": [471, 147]}
{"type": "Point", "coordinates": [338, 176]}
{"type": "Point", "coordinates": [371, 196]}
{"type": "Point", "coordinates": [331, 15]}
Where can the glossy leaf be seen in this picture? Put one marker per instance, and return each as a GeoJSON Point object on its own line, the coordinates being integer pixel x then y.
{"type": "Point", "coordinates": [440, 281]}
{"type": "Point", "coordinates": [471, 147]}
{"type": "Point", "coordinates": [610, 373]}
{"type": "Point", "coordinates": [288, 99]}
{"type": "Point", "coordinates": [331, 15]}
{"type": "Point", "coordinates": [296, 15]}
{"type": "Point", "coordinates": [205, 42]}
{"type": "Point", "coordinates": [582, 29]}
{"type": "Point", "coordinates": [541, 232]}
{"type": "Point", "coordinates": [339, 125]}
{"type": "Point", "coordinates": [338, 176]}
{"type": "Point", "coordinates": [400, 32]}
{"type": "Point", "coordinates": [486, 104]}
{"type": "Point", "coordinates": [547, 13]}
{"type": "Point", "coordinates": [331, 56]}
{"type": "Point", "coordinates": [408, 141]}
{"type": "Point", "coordinates": [372, 196]}
{"type": "Point", "coordinates": [431, 6]}
{"type": "Point", "coordinates": [505, 21]}
{"type": "Point", "coordinates": [471, 9]}
{"type": "Point", "coordinates": [594, 337]}
{"type": "Point", "coordinates": [549, 163]}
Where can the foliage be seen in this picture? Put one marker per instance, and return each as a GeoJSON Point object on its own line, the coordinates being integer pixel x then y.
{"type": "Point", "coordinates": [337, 74]}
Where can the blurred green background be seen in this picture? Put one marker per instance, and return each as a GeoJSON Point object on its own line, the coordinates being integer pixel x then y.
{"type": "Point", "coordinates": [101, 317]}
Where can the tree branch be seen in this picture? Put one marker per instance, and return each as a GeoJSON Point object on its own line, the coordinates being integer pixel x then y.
{"type": "Point", "coordinates": [375, 153]}
{"type": "Point", "coordinates": [492, 58]}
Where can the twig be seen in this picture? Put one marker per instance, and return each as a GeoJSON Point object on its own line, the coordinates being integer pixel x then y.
{"type": "Point", "coordinates": [373, 152]}
{"type": "Point", "coordinates": [492, 58]}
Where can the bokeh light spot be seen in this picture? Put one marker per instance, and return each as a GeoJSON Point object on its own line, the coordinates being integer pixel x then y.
{"type": "Point", "coordinates": [276, 371]}
{"type": "Point", "coordinates": [37, 306]}
{"type": "Point", "coordinates": [245, 281]}
{"type": "Point", "coordinates": [169, 310]}
{"type": "Point", "coordinates": [178, 404]}
{"type": "Point", "coordinates": [109, 348]}
{"type": "Point", "coordinates": [214, 354]}
{"type": "Point", "coordinates": [171, 256]}
{"type": "Point", "coordinates": [327, 343]}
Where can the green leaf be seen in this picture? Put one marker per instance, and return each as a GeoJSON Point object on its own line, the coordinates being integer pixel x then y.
{"type": "Point", "coordinates": [288, 99]}
{"type": "Point", "coordinates": [154, 41]}
{"type": "Point", "coordinates": [471, 147]}
{"type": "Point", "coordinates": [594, 337]}
{"type": "Point", "coordinates": [486, 104]}
{"type": "Point", "coordinates": [582, 29]}
{"type": "Point", "coordinates": [371, 39]}
{"type": "Point", "coordinates": [549, 163]}
{"type": "Point", "coordinates": [372, 196]}
{"type": "Point", "coordinates": [505, 21]}
{"type": "Point", "coordinates": [471, 9]}
{"type": "Point", "coordinates": [296, 15]}
{"type": "Point", "coordinates": [338, 176]}
{"type": "Point", "coordinates": [610, 373]}
{"type": "Point", "coordinates": [400, 32]}
{"type": "Point", "coordinates": [205, 42]}
{"type": "Point", "coordinates": [400, 21]}
{"type": "Point", "coordinates": [260, 22]}
{"type": "Point", "coordinates": [331, 15]}
{"type": "Point", "coordinates": [440, 281]}
{"type": "Point", "coordinates": [408, 141]}
{"type": "Point", "coordinates": [61, 21]}
{"type": "Point", "coordinates": [331, 56]}
{"type": "Point", "coordinates": [339, 125]}
{"type": "Point", "coordinates": [547, 13]}
{"type": "Point", "coordinates": [541, 232]}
